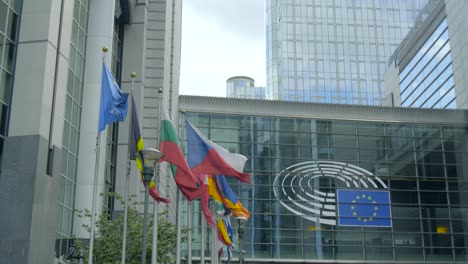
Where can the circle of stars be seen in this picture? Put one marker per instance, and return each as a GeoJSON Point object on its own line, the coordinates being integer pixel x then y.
{"type": "Point", "coordinates": [368, 198]}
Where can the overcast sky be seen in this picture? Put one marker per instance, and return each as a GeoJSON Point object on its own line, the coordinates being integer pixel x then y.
{"type": "Point", "coordinates": [221, 39]}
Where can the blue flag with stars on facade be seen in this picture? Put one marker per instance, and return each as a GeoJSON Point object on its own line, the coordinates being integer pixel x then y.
{"type": "Point", "coordinates": [364, 208]}
{"type": "Point", "coordinates": [114, 103]}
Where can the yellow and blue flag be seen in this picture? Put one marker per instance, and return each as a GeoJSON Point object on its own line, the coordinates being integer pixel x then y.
{"type": "Point", "coordinates": [231, 200]}
{"type": "Point", "coordinates": [225, 234]}
{"type": "Point", "coordinates": [114, 103]}
{"type": "Point", "coordinates": [364, 208]}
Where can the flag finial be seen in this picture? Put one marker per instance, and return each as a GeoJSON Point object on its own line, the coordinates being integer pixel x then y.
{"type": "Point", "coordinates": [105, 49]}
{"type": "Point", "coordinates": [133, 75]}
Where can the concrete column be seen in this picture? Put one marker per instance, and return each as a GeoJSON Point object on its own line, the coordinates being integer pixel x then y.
{"type": "Point", "coordinates": [100, 33]}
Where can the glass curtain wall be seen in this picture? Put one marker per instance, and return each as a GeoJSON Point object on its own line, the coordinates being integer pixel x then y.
{"type": "Point", "coordinates": [427, 80]}
{"type": "Point", "coordinates": [9, 23]}
{"type": "Point", "coordinates": [333, 51]}
{"type": "Point", "coordinates": [423, 166]}
{"type": "Point", "coordinates": [71, 129]}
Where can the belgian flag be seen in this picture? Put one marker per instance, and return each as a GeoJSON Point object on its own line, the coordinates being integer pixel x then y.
{"type": "Point", "coordinates": [136, 143]}
{"type": "Point", "coordinates": [136, 146]}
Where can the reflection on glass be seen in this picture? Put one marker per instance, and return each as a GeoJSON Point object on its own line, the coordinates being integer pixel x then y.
{"type": "Point", "coordinates": [427, 80]}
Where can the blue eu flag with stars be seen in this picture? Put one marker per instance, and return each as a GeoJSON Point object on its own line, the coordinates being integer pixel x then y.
{"type": "Point", "coordinates": [364, 208]}
{"type": "Point", "coordinates": [114, 103]}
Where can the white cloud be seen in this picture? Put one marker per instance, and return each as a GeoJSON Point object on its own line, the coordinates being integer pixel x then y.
{"type": "Point", "coordinates": [214, 46]}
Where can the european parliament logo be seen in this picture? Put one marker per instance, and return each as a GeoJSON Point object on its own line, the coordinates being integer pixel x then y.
{"type": "Point", "coordinates": [307, 189]}
{"type": "Point", "coordinates": [364, 208]}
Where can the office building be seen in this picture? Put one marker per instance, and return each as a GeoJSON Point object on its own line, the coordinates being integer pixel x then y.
{"type": "Point", "coordinates": [303, 156]}
{"type": "Point", "coordinates": [428, 68]}
{"type": "Point", "coordinates": [244, 87]}
{"type": "Point", "coordinates": [51, 55]}
{"type": "Point", "coordinates": [333, 51]}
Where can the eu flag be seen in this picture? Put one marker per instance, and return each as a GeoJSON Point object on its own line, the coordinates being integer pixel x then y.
{"type": "Point", "coordinates": [364, 208]}
{"type": "Point", "coordinates": [114, 103]}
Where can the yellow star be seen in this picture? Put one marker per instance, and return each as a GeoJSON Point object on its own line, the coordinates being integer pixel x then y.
{"type": "Point", "coordinates": [376, 208]}
{"type": "Point", "coordinates": [363, 196]}
{"type": "Point", "coordinates": [370, 219]}
{"type": "Point", "coordinates": [357, 197]}
{"type": "Point", "coordinates": [375, 214]}
{"type": "Point", "coordinates": [354, 201]}
{"type": "Point", "coordinates": [373, 202]}
{"type": "Point", "coordinates": [354, 213]}
{"type": "Point", "coordinates": [359, 218]}
{"type": "Point", "coordinates": [365, 220]}
{"type": "Point", "coordinates": [352, 207]}
{"type": "Point", "coordinates": [368, 197]}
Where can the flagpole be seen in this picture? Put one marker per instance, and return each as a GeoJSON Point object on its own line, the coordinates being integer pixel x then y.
{"type": "Point", "coordinates": [214, 257]}
{"type": "Point", "coordinates": [189, 211]}
{"type": "Point", "coordinates": [154, 251]}
{"type": "Point", "coordinates": [154, 247]}
{"type": "Point", "coordinates": [189, 235]}
{"type": "Point", "coordinates": [179, 216]}
{"type": "Point", "coordinates": [203, 240]}
{"type": "Point", "coordinates": [96, 171]}
{"type": "Point", "coordinates": [129, 168]}
{"type": "Point", "coordinates": [179, 224]}
{"type": "Point", "coordinates": [93, 210]}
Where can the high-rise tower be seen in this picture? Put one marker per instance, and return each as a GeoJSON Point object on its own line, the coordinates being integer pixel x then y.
{"type": "Point", "coordinates": [333, 50]}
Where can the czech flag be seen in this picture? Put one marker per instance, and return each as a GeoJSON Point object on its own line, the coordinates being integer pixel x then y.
{"type": "Point", "coordinates": [206, 157]}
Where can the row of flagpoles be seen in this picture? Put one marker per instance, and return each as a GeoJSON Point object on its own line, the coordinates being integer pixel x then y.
{"type": "Point", "coordinates": [201, 175]}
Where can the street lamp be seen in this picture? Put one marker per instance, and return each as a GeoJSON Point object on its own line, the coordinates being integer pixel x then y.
{"type": "Point", "coordinates": [240, 231]}
{"type": "Point", "coordinates": [150, 156]}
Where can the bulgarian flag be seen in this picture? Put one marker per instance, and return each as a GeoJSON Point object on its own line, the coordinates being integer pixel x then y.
{"type": "Point", "coordinates": [169, 146]}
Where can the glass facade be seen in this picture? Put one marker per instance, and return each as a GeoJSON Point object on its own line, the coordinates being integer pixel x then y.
{"type": "Point", "coordinates": [9, 23]}
{"type": "Point", "coordinates": [71, 129]}
{"type": "Point", "coordinates": [427, 81]}
{"type": "Point", "coordinates": [422, 166]}
{"type": "Point", "coordinates": [333, 51]}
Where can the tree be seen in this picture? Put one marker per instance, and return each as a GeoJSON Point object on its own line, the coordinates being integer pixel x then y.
{"type": "Point", "coordinates": [108, 236]}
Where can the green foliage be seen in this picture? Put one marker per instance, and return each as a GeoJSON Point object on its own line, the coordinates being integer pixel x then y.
{"type": "Point", "coordinates": [108, 236]}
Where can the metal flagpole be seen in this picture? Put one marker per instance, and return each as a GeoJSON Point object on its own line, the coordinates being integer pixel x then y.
{"type": "Point", "coordinates": [189, 212]}
{"type": "Point", "coordinates": [179, 215]}
{"type": "Point", "coordinates": [203, 241]}
{"type": "Point", "coordinates": [154, 251]}
{"type": "Point", "coordinates": [189, 235]}
{"type": "Point", "coordinates": [179, 224]}
{"type": "Point", "coordinates": [129, 168]}
{"type": "Point", "coordinates": [93, 210]}
{"type": "Point", "coordinates": [96, 171]}
{"type": "Point", "coordinates": [214, 235]}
